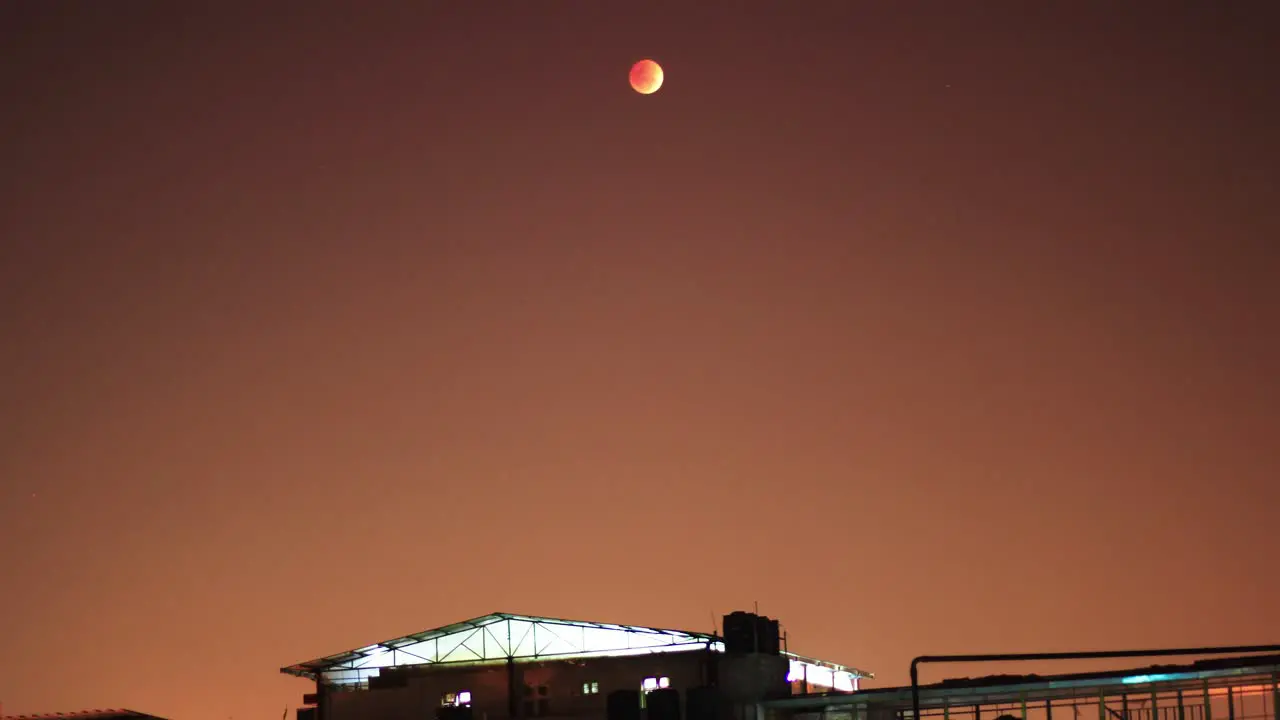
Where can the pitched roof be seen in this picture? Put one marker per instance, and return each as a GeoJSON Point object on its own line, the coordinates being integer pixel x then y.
{"type": "Point", "coordinates": [85, 715]}
{"type": "Point", "coordinates": [503, 636]}
{"type": "Point", "coordinates": [500, 636]}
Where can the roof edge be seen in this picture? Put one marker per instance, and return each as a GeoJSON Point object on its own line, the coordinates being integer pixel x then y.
{"type": "Point", "coordinates": [309, 668]}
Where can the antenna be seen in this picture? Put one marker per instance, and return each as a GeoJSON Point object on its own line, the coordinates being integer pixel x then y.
{"type": "Point", "coordinates": [715, 629]}
{"type": "Point", "coordinates": [757, 606]}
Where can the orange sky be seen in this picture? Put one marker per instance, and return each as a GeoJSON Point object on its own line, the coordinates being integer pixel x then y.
{"type": "Point", "coordinates": [932, 329]}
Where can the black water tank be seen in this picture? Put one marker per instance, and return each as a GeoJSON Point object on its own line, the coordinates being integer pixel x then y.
{"type": "Point", "coordinates": [702, 703]}
{"type": "Point", "coordinates": [664, 704]}
{"type": "Point", "coordinates": [767, 640]}
{"type": "Point", "coordinates": [623, 705]}
{"type": "Point", "coordinates": [739, 633]}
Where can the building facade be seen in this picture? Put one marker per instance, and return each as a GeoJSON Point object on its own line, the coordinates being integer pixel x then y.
{"type": "Point", "coordinates": [507, 667]}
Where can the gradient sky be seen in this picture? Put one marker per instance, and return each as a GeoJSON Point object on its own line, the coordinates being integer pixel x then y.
{"type": "Point", "coordinates": [930, 326]}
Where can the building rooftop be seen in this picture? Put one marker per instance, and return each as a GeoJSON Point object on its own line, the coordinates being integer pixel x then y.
{"type": "Point", "coordinates": [502, 636]}
{"type": "Point", "coordinates": [85, 715]}
{"type": "Point", "coordinates": [1207, 677]}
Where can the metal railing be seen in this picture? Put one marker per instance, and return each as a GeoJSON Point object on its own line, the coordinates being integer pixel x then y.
{"type": "Point", "coordinates": [1090, 655]}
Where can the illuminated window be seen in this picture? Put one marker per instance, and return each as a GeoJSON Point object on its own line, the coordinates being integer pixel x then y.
{"type": "Point", "coordinates": [653, 683]}
{"type": "Point", "coordinates": [462, 698]}
{"type": "Point", "coordinates": [590, 688]}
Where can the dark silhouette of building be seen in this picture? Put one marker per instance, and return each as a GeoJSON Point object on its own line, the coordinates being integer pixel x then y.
{"type": "Point", "coordinates": [517, 667]}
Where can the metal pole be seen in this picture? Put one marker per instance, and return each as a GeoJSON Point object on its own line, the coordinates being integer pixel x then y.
{"type": "Point", "coordinates": [1093, 655]}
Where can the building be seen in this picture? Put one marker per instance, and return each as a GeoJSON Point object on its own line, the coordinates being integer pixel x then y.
{"type": "Point", "coordinates": [515, 667]}
{"type": "Point", "coordinates": [1235, 688]}
{"type": "Point", "coordinates": [85, 715]}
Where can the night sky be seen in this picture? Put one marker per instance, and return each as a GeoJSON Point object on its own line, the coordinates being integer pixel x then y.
{"type": "Point", "coordinates": [930, 326]}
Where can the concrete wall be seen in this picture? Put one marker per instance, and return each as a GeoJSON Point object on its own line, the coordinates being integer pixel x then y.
{"type": "Point", "coordinates": [421, 695]}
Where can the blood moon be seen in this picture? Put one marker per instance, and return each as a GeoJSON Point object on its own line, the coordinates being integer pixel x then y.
{"type": "Point", "coordinates": [646, 77]}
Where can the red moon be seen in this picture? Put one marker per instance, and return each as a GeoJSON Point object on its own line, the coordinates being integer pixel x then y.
{"type": "Point", "coordinates": [646, 77]}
